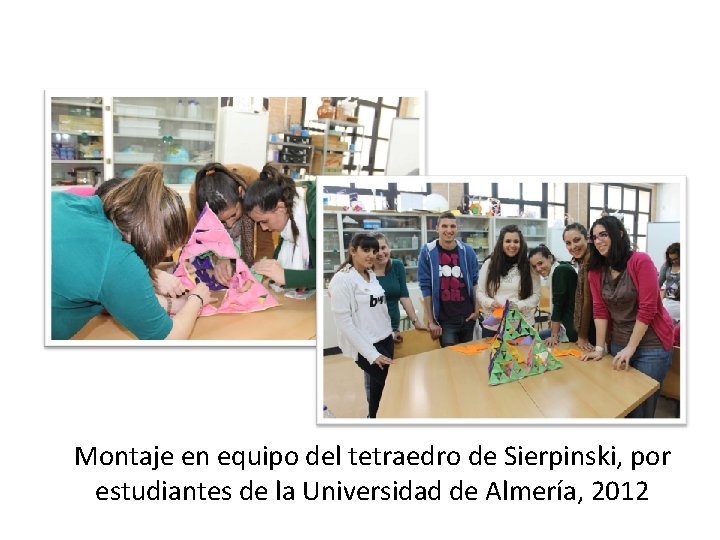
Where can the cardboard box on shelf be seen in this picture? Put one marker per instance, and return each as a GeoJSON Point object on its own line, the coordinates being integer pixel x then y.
{"type": "Point", "coordinates": [87, 124]}
{"type": "Point", "coordinates": [333, 163]}
{"type": "Point", "coordinates": [333, 142]}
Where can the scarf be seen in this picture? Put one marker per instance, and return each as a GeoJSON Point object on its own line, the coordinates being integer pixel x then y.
{"type": "Point", "coordinates": [582, 284]}
{"type": "Point", "coordinates": [295, 253]}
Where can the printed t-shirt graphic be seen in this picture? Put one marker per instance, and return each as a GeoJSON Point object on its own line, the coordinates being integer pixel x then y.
{"type": "Point", "coordinates": [455, 299]}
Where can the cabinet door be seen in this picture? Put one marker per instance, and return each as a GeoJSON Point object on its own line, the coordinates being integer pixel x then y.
{"type": "Point", "coordinates": [333, 252]}
{"type": "Point", "coordinates": [77, 140]}
{"type": "Point", "coordinates": [177, 132]}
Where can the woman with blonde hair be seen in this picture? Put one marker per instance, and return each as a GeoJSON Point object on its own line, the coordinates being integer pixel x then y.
{"type": "Point", "coordinates": [103, 255]}
{"type": "Point", "coordinates": [391, 275]}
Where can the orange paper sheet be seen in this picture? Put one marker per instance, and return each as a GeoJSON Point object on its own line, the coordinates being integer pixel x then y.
{"type": "Point", "coordinates": [472, 348]}
{"type": "Point", "coordinates": [567, 352]}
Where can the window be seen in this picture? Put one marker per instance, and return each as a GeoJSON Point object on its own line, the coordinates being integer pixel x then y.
{"type": "Point", "coordinates": [629, 203]}
{"type": "Point", "coordinates": [375, 114]}
{"type": "Point", "coordinates": [529, 198]}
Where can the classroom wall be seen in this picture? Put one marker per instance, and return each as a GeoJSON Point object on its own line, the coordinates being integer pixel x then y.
{"type": "Point", "coordinates": [453, 192]}
{"type": "Point", "coordinates": [667, 202]}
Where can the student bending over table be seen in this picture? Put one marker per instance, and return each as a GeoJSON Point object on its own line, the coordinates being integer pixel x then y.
{"type": "Point", "coordinates": [103, 253]}
{"type": "Point", "coordinates": [359, 308]}
{"type": "Point", "coordinates": [277, 203]}
{"type": "Point", "coordinates": [562, 281]}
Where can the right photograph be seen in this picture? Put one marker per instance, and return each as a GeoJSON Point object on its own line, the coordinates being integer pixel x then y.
{"type": "Point", "coordinates": [502, 299]}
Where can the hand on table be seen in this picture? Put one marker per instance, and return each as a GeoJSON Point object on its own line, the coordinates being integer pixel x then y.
{"type": "Point", "coordinates": [383, 361]}
{"type": "Point", "coordinates": [592, 355]}
{"type": "Point", "coordinates": [585, 345]}
{"type": "Point", "coordinates": [271, 269]}
{"type": "Point", "coordinates": [418, 325]}
{"type": "Point", "coordinates": [167, 285]}
{"type": "Point", "coordinates": [435, 330]}
{"type": "Point", "coordinates": [622, 358]}
{"type": "Point", "coordinates": [551, 341]}
{"type": "Point", "coordinates": [202, 290]}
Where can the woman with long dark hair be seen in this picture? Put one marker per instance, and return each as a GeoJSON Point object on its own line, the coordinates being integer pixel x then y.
{"type": "Point", "coordinates": [223, 189]}
{"type": "Point", "coordinates": [507, 275]}
{"type": "Point", "coordinates": [625, 291]}
{"type": "Point", "coordinates": [562, 281]}
{"type": "Point", "coordinates": [359, 307]}
{"type": "Point", "coordinates": [277, 203]}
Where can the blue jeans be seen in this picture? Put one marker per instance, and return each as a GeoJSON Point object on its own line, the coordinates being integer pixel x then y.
{"type": "Point", "coordinates": [457, 331]}
{"type": "Point", "coordinates": [544, 334]}
{"type": "Point", "coordinates": [655, 364]}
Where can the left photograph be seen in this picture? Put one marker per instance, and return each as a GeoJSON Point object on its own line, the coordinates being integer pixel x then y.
{"type": "Point", "coordinates": [175, 218]}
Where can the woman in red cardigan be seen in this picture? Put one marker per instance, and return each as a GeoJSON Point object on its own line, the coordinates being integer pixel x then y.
{"type": "Point", "coordinates": [627, 304]}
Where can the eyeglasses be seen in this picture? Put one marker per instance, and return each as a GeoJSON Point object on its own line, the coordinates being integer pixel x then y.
{"type": "Point", "coordinates": [601, 234]}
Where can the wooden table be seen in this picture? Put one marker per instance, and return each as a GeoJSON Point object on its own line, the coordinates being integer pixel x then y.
{"type": "Point", "coordinates": [449, 384]}
{"type": "Point", "coordinates": [291, 320]}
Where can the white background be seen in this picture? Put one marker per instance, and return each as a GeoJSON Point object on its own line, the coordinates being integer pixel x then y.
{"type": "Point", "coordinates": [606, 88]}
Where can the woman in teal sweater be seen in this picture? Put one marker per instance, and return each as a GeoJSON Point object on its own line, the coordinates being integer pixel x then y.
{"type": "Point", "coordinates": [103, 252]}
{"type": "Point", "coordinates": [563, 282]}
{"type": "Point", "coordinates": [391, 275]}
{"type": "Point", "coordinates": [277, 203]}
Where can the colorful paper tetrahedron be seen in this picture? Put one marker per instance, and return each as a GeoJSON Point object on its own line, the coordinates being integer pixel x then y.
{"type": "Point", "coordinates": [506, 362]}
{"type": "Point", "coordinates": [208, 244]}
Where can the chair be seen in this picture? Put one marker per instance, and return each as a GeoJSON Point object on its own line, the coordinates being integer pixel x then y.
{"type": "Point", "coordinates": [415, 342]}
{"type": "Point", "coordinates": [542, 313]}
{"type": "Point", "coordinates": [671, 385]}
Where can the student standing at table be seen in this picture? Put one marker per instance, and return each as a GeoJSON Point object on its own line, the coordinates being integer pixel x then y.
{"type": "Point", "coordinates": [277, 203]}
{"type": "Point", "coordinates": [391, 275]}
{"type": "Point", "coordinates": [576, 241]}
{"type": "Point", "coordinates": [448, 273]}
{"type": "Point", "coordinates": [625, 291]}
{"type": "Point", "coordinates": [103, 253]}
{"type": "Point", "coordinates": [507, 275]}
{"type": "Point", "coordinates": [359, 307]}
{"type": "Point", "coordinates": [669, 281]}
{"type": "Point", "coordinates": [562, 282]}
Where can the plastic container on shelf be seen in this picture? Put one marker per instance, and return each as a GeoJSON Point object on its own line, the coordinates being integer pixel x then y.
{"type": "Point", "coordinates": [192, 109]}
{"type": "Point", "coordinates": [180, 108]}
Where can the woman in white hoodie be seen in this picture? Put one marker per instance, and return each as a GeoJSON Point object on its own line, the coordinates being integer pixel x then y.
{"type": "Point", "coordinates": [359, 308]}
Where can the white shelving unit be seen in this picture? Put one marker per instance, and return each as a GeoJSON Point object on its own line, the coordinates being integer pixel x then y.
{"type": "Point", "coordinates": [534, 230]}
{"type": "Point", "coordinates": [78, 128]}
{"type": "Point", "coordinates": [149, 130]}
{"type": "Point", "coordinates": [404, 232]}
{"type": "Point", "coordinates": [338, 145]}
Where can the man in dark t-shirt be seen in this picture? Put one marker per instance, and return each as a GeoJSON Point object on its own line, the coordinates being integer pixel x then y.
{"type": "Point", "coordinates": [448, 272]}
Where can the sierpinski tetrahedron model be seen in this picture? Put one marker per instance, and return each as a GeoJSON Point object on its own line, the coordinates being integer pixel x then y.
{"type": "Point", "coordinates": [210, 243]}
{"type": "Point", "coordinates": [506, 362]}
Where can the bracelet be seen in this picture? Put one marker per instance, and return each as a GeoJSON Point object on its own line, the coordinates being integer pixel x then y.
{"type": "Point", "coordinates": [199, 298]}
{"type": "Point", "coordinates": [599, 348]}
